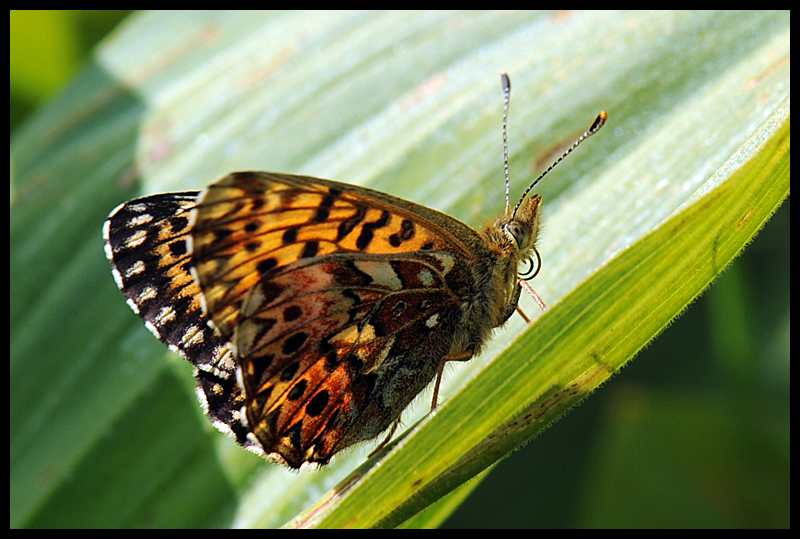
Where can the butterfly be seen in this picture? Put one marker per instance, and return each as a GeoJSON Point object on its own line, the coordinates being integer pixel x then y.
{"type": "Point", "coordinates": [315, 311]}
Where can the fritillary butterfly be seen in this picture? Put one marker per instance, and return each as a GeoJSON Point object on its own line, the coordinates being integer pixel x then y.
{"type": "Point", "coordinates": [314, 311]}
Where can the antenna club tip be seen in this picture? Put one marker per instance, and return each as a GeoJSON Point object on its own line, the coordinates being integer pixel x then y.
{"type": "Point", "coordinates": [506, 81]}
{"type": "Point", "coordinates": [598, 122]}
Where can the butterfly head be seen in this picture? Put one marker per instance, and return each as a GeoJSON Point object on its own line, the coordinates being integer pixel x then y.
{"type": "Point", "coordinates": [521, 230]}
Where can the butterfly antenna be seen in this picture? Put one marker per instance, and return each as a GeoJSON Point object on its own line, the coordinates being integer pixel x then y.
{"type": "Point", "coordinates": [506, 101]}
{"type": "Point", "coordinates": [596, 125]}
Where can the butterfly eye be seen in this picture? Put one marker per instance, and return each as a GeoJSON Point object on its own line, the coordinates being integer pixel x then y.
{"type": "Point", "coordinates": [518, 232]}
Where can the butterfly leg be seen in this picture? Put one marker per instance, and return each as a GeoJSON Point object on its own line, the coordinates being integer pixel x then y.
{"type": "Point", "coordinates": [459, 356]}
{"type": "Point", "coordinates": [386, 440]}
{"type": "Point", "coordinates": [523, 315]}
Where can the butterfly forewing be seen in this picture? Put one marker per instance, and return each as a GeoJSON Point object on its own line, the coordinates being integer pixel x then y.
{"type": "Point", "coordinates": [146, 246]}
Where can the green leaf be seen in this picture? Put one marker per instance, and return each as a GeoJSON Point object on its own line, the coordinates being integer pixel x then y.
{"type": "Point", "coordinates": [694, 160]}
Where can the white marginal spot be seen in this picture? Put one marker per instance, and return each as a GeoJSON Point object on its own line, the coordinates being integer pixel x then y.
{"type": "Point", "coordinates": [119, 281]}
{"type": "Point", "coordinates": [223, 427]}
{"type": "Point", "coordinates": [109, 251]}
{"type": "Point", "coordinates": [132, 304]}
{"type": "Point", "coordinates": [202, 399]}
{"type": "Point", "coordinates": [153, 329]}
{"type": "Point", "coordinates": [115, 210]}
{"type": "Point", "coordinates": [381, 272]}
{"type": "Point", "coordinates": [107, 228]}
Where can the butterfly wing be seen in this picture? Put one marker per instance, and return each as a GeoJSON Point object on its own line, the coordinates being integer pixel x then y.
{"type": "Point", "coordinates": [340, 303]}
{"type": "Point", "coordinates": [145, 242]}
